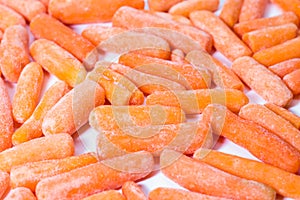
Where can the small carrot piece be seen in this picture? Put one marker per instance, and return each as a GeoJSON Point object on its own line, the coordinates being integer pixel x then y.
{"type": "Point", "coordinates": [230, 12]}
{"type": "Point", "coordinates": [225, 40]}
{"type": "Point", "coordinates": [184, 8]}
{"type": "Point", "coordinates": [267, 37]}
{"type": "Point", "coordinates": [20, 193]}
{"type": "Point", "coordinates": [4, 182]}
{"type": "Point", "coordinates": [45, 148]}
{"type": "Point", "coordinates": [58, 61]}
{"type": "Point", "coordinates": [106, 195]}
{"type": "Point", "coordinates": [9, 17]}
{"type": "Point", "coordinates": [177, 55]}
{"type": "Point", "coordinates": [292, 80]}
{"type": "Point", "coordinates": [132, 191]}
{"type": "Point", "coordinates": [285, 183]}
{"type": "Point", "coordinates": [195, 101]}
{"type": "Point", "coordinates": [286, 114]}
{"type": "Point", "coordinates": [14, 52]}
{"type": "Point", "coordinates": [263, 144]}
{"type": "Point", "coordinates": [252, 9]}
{"type": "Point", "coordinates": [269, 86]}
{"type": "Point", "coordinates": [27, 92]}
{"type": "Point", "coordinates": [29, 174]}
{"type": "Point", "coordinates": [162, 5]}
{"type": "Point", "coordinates": [197, 176]}
{"type": "Point", "coordinates": [45, 2]}
{"type": "Point", "coordinates": [1, 36]}
{"type": "Point", "coordinates": [285, 67]}
{"type": "Point", "coordinates": [290, 5]}
{"type": "Point", "coordinates": [176, 18]}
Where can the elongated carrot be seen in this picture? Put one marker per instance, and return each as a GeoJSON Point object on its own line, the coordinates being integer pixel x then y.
{"type": "Point", "coordinates": [162, 5]}
{"type": "Point", "coordinates": [14, 54]}
{"type": "Point", "coordinates": [225, 40]}
{"type": "Point", "coordinates": [283, 182]}
{"type": "Point", "coordinates": [269, 86]}
{"type": "Point", "coordinates": [132, 191]}
{"type": "Point", "coordinates": [291, 5]}
{"type": "Point", "coordinates": [252, 9]}
{"type": "Point", "coordinates": [177, 55]}
{"type": "Point", "coordinates": [142, 19]}
{"type": "Point", "coordinates": [9, 17]}
{"type": "Point", "coordinates": [58, 61]}
{"type": "Point", "coordinates": [177, 18]}
{"type": "Point", "coordinates": [106, 195]}
{"type": "Point", "coordinates": [20, 193]}
{"type": "Point", "coordinates": [27, 92]}
{"type": "Point", "coordinates": [45, 148]}
{"type": "Point", "coordinates": [285, 67]}
{"type": "Point", "coordinates": [206, 179]}
{"type": "Point", "coordinates": [195, 101]}
{"type": "Point", "coordinates": [4, 182]}
{"type": "Point", "coordinates": [95, 178]}
{"type": "Point", "coordinates": [292, 80]}
{"type": "Point", "coordinates": [6, 118]}
{"type": "Point", "coordinates": [186, 7]}
{"type": "Point", "coordinates": [273, 122]}
{"type": "Point", "coordinates": [230, 12]}
{"type": "Point", "coordinates": [29, 174]}
{"type": "Point", "coordinates": [263, 144]}
{"type": "Point", "coordinates": [267, 37]}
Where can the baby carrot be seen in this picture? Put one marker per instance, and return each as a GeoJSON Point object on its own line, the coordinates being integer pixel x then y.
{"type": "Point", "coordinates": [162, 5]}
{"type": "Point", "coordinates": [20, 193]}
{"type": "Point", "coordinates": [45, 148]}
{"type": "Point", "coordinates": [88, 11]}
{"type": "Point", "coordinates": [132, 191]}
{"type": "Point", "coordinates": [292, 80]}
{"type": "Point", "coordinates": [197, 176]}
{"type": "Point", "coordinates": [263, 144]}
{"type": "Point", "coordinates": [71, 112]}
{"type": "Point", "coordinates": [285, 67]}
{"type": "Point", "coordinates": [106, 195]}
{"type": "Point", "coordinates": [252, 9]}
{"type": "Point", "coordinates": [176, 18]}
{"type": "Point", "coordinates": [27, 92]}
{"type": "Point", "coordinates": [4, 182]}
{"type": "Point", "coordinates": [58, 61]}
{"type": "Point", "coordinates": [9, 17]}
{"type": "Point", "coordinates": [270, 36]}
{"type": "Point", "coordinates": [29, 174]}
{"type": "Point", "coordinates": [225, 40]}
{"type": "Point", "coordinates": [186, 7]}
{"type": "Point", "coordinates": [230, 12]}
{"type": "Point", "coordinates": [45, 2]}
{"type": "Point", "coordinates": [14, 52]}
{"type": "Point", "coordinates": [6, 118]}
{"type": "Point", "coordinates": [1, 36]}
{"type": "Point", "coordinates": [177, 55]}
{"type": "Point", "coordinates": [290, 5]}
{"type": "Point", "coordinates": [269, 86]}
{"type": "Point", "coordinates": [285, 183]}
{"type": "Point", "coordinates": [95, 178]}
{"type": "Point", "coordinates": [286, 114]}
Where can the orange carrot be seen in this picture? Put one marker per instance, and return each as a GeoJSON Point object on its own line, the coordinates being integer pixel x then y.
{"type": "Point", "coordinates": [45, 2]}
{"type": "Point", "coordinates": [162, 5]}
{"type": "Point", "coordinates": [198, 176]}
{"type": "Point", "coordinates": [292, 80]}
{"type": "Point", "coordinates": [269, 86]}
{"type": "Point", "coordinates": [290, 5]}
{"type": "Point", "coordinates": [88, 11]}
{"type": "Point", "coordinates": [285, 67]}
{"type": "Point", "coordinates": [29, 174]}
{"type": "Point", "coordinates": [45, 148]}
{"type": "Point", "coordinates": [195, 101]}
{"type": "Point", "coordinates": [4, 182]}
{"type": "Point", "coordinates": [176, 18]}
{"type": "Point", "coordinates": [6, 118]}
{"type": "Point", "coordinates": [267, 37]}
{"type": "Point", "coordinates": [27, 92]}
{"type": "Point", "coordinates": [20, 193]}
{"type": "Point", "coordinates": [14, 52]}
{"type": "Point", "coordinates": [178, 56]}
{"type": "Point", "coordinates": [263, 144]}
{"type": "Point", "coordinates": [132, 191]}
{"type": "Point", "coordinates": [252, 9]}
{"type": "Point", "coordinates": [230, 12]}
{"type": "Point", "coordinates": [1, 36]}
{"type": "Point", "coordinates": [58, 61]}
{"type": "Point", "coordinates": [186, 7]}
{"type": "Point", "coordinates": [9, 17]}
{"type": "Point", "coordinates": [225, 40]}
{"type": "Point", "coordinates": [106, 195]}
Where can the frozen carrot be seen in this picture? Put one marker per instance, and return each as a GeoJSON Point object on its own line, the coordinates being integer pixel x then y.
{"type": "Point", "coordinates": [20, 193]}
{"type": "Point", "coordinates": [285, 67]}
{"type": "Point", "coordinates": [186, 7]}
{"type": "Point", "coordinates": [284, 18]}
{"type": "Point", "coordinates": [106, 195]}
{"type": "Point", "coordinates": [197, 176]}
{"type": "Point", "coordinates": [142, 19]}
{"type": "Point", "coordinates": [225, 40]}
{"type": "Point", "coordinates": [45, 2]}
{"type": "Point", "coordinates": [270, 36]}
{"type": "Point", "coordinates": [292, 80]}
{"type": "Point", "coordinates": [195, 101]}
{"type": "Point", "coordinates": [94, 178]}
{"type": "Point", "coordinates": [286, 114]}
{"type": "Point", "coordinates": [14, 52]}
{"type": "Point", "coordinates": [230, 12]}
{"type": "Point", "coordinates": [176, 18]}
{"type": "Point", "coordinates": [27, 92]}
{"type": "Point", "coordinates": [162, 5]}
{"type": "Point", "coordinates": [178, 56]}
{"type": "Point", "coordinates": [47, 27]}
{"type": "Point", "coordinates": [4, 182]}
{"type": "Point", "coordinates": [252, 9]}
{"type": "Point", "coordinates": [285, 183]}
{"type": "Point", "coordinates": [1, 36]}
{"type": "Point", "coordinates": [262, 143]}
{"type": "Point", "coordinates": [6, 118]}
{"type": "Point", "coordinates": [88, 11]}
{"type": "Point", "coordinates": [132, 191]}
{"type": "Point", "coordinates": [58, 61]}
{"type": "Point", "coordinates": [269, 86]}
{"type": "Point", "coordinates": [273, 122]}
{"type": "Point", "coordinates": [290, 5]}
{"type": "Point", "coordinates": [9, 17]}
{"type": "Point", "coordinates": [29, 174]}
{"type": "Point", "coordinates": [71, 112]}
{"type": "Point", "coordinates": [45, 148]}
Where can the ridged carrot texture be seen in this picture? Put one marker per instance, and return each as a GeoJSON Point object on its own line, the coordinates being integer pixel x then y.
{"type": "Point", "coordinates": [177, 55]}
{"type": "Point", "coordinates": [263, 144]}
{"type": "Point", "coordinates": [45, 148]}
{"type": "Point", "coordinates": [230, 12]}
{"type": "Point", "coordinates": [132, 191]}
{"type": "Point", "coordinates": [292, 80]}
{"type": "Point", "coordinates": [290, 5]}
{"type": "Point", "coordinates": [176, 18]}
{"type": "Point", "coordinates": [106, 195]}
{"type": "Point", "coordinates": [252, 9]}
{"type": "Point", "coordinates": [58, 61]}
{"type": "Point", "coordinates": [198, 176]}
{"type": "Point", "coordinates": [20, 193]}
{"type": "Point", "coordinates": [9, 17]}
{"type": "Point", "coordinates": [4, 182]}
{"type": "Point", "coordinates": [285, 67]}
{"type": "Point", "coordinates": [106, 175]}
{"type": "Point", "coordinates": [162, 5]}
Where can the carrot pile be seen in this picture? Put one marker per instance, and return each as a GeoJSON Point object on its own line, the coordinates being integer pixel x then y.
{"type": "Point", "coordinates": [151, 93]}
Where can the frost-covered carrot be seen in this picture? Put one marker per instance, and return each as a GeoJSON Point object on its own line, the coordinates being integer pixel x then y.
{"type": "Point", "coordinates": [230, 12]}
{"type": "Point", "coordinates": [252, 9]}
{"type": "Point", "coordinates": [20, 193]}
{"type": "Point", "coordinates": [290, 5]}
{"type": "Point", "coordinates": [162, 5]}
{"type": "Point", "coordinates": [177, 55]}
{"type": "Point", "coordinates": [4, 182]}
{"type": "Point", "coordinates": [132, 191]}
{"type": "Point", "coordinates": [292, 80]}
{"type": "Point", "coordinates": [177, 18]}
{"type": "Point", "coordinates": [269, 86]}
{"type": "Point", "coordinates": [285, 67]}
{"type": "Point", "coordinates": [9, 17]}
{"type": "Point", "coordinates": [45, 2]}
{"type": "Point", "coordinates": [106, 195]}
{"type": "Point", "coordinates": [224, 38]}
